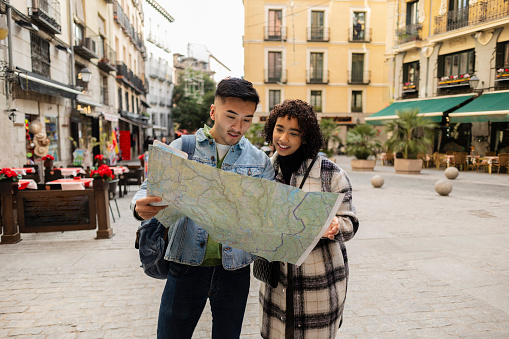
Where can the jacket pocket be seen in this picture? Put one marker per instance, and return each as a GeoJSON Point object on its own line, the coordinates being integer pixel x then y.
{"type": "Point", "coordinates": [250, 171]}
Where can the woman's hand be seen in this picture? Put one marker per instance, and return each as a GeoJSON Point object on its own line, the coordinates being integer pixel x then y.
{"type": "Point", "coordinates": [332, 230]}
{"type": "Point", "coordinates": [145, 210]}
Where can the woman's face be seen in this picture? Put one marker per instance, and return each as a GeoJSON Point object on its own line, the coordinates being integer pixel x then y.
{"type": "Point", "coordinates": [286, 136]}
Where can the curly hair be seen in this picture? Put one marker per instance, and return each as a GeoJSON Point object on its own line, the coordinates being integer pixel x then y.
{"type": "Point", "coordinates": [312, 139]}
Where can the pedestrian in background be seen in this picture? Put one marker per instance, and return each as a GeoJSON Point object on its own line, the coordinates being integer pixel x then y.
{"type": "Point", "coordinates": [201, 268]}
{"type": "Point", "coordinates": [309, 299]}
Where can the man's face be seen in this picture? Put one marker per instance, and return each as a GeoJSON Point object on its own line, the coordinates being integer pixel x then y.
{"type": "Point", "coordinates": [232, 118]}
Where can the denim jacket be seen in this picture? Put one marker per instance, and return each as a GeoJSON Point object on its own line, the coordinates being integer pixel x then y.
{"type": "Point", "coordinates": [187, 241]}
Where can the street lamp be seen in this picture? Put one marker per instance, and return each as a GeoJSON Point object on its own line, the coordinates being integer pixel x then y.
{"type": "Point", "coordinates": [86, 75]}
{"type": "Point", "coordinates": [474, 82]}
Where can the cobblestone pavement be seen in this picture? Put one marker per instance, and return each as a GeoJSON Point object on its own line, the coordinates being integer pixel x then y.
{"type": "Point", "coordinates": [421, 266]}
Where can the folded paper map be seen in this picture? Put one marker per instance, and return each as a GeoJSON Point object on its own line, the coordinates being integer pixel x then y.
{"type": "Point", "coordinates": [262, 217]}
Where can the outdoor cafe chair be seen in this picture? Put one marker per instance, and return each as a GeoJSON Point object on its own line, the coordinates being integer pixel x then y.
{"type": "Point", "coordinates": [49, 187]}
{"type": "Point", "coordinates": [34, 176]}
{"type": "Point", "coordinates": [112, 195]}
{"type": "Point", "coordinates": [54, 174]}
{"type": "Point", "coordinates": [503, 159]}
{"type": "Point", "coordinates": [460, 160]}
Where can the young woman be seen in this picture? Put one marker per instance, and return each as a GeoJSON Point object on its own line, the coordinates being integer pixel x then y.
{"type": "Point", "coordinates": [317, 287]}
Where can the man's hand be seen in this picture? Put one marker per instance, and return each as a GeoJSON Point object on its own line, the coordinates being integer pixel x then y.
{"type": "Point", "coordinates": [145, 210]}
{"type": "Point", "coordinates": [332, 230]}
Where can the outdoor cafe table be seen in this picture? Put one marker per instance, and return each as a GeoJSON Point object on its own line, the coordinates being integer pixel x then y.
{"type": "Point", "coordinates": [71, 171]}
{"type": "Point", "coordinates": [24, 170]}
{"type": "Point", "coordinates": [27, 183]}
{"type": "Point", "coordinates": [72, 184]}
{"type": "Point", "coordinates": [488, 161]}
{"type": "Point", "coordinates": [119, 169]}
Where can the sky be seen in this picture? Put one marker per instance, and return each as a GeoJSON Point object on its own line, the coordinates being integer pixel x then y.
{"type": "Point", "coordinates": [218, 24]}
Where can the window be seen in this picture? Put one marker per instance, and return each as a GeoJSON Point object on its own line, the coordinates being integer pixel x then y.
{"type": "Point", "coordinates": [40, 55]}
{"type": "Point", "coordinates": [357, 68]}
{"type": "Point", "coordinates": [274, 71]}
{"type": "Point", "coordinates": [104, 90]}
{"type": "Point", "coordinates": [411, 75]}
{"type": "Point", "coordinates": [127, 101]}
{"type": "Point", "coordinates": [79, 34]}
{"type": "Point", "coordinates": [316, 100]}
{"type": "Point", "coordinates": [317, 25]}
{"type": "Point", "coordinates": [100, 48]}
{"type": "Point", "coordinates": [120, 106]}
{"type": "Point", "coordinates": [275, 18]}
{"type": "Point", "coordinates": [456, 64]}
{"type": "Point", "coordinates": [356, 101]}
{"type": "Point", "coordinates": [411, 13]}
{"type": "Point", "coordinates": [316, 68]}
{"type": "Point", "coordinates": [359, 26]}
{"type": "Point", "coordinates": [274, 98]}
{"type": "Point", "coordinates": [51, 124]}
{"type": "Point", "coordinates": [503, 55]}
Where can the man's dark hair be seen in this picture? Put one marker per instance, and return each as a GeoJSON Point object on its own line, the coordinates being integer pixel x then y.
{"type": "Point", "coordinates": [312, 139]}
{"type": "Point", "coordinates": [237, 88]}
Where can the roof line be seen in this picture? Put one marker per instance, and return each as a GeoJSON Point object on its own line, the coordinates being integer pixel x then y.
{"type": "Point", "coordinates": [161, 10]}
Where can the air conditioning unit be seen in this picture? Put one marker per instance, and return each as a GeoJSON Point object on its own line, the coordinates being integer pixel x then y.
{"type": "Point", "coordinates": [90, 44]}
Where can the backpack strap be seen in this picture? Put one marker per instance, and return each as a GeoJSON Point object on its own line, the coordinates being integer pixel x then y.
{"type": "Point", "coordinates": [189, 145]}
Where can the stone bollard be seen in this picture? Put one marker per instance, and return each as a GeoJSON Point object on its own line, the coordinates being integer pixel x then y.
{"type": "Point", "coordinates": [443, 187]}
{"type": "Point", "coordinates": [377, 181]}
{"type": "Point", "coordinates": [451, 173]}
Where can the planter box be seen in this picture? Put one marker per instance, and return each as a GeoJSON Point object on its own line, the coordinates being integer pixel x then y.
{"type": "Point", "coordinates": [408, 166]}
{"type": "Point", "coordinates": [363, 165]}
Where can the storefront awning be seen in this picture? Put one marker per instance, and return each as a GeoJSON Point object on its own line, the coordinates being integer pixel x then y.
{"type": "Point", "coordinates": [432, 108]}
{"type": "Point", "coordinates": [492, 106]}
{"type": "Point", "coordinates": [37, 83]}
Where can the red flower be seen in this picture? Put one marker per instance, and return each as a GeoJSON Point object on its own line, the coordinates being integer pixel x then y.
{"type": "Point", "coordinates": [141, 157]}
{"type": "Point", "coordinates": [103, 172]}
{"type": "Point", "coordinates": [48, 157]}
{"type": "Point", "coordinates": [8, 175]}
{"type": "Point", "coordinates": [506, 70]}
{"type": "Point", "coordinates": [99, 157]}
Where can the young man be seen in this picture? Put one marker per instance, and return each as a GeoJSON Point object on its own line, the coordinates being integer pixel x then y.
{"type": "Point", "coordinates": [200, 268]}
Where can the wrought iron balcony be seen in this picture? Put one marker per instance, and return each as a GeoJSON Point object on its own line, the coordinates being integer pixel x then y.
{"type": "Point", "coordinates": [320, 34]}
{"type": "Point", "coordinates": [480, 12]}
{"type": "Point", "coordinates": [317, 77]}
{"type": "Point", "coordinates": [47, 15]}
{"type": "Point", "coordinates": [86, 47]}
{"type": "Point", "coordinates": [359, 78]}
{"type": "Point", "coordinates": [274, 76]}
{"type": "Point", "coordinates": [107, 59]}
{"type": "Point", "coordinates": [409, 33]}
{"type": "Point", "coordinates": [274, 33]}
{"type": "Point", "coordinates": [122, 72]}
{"type": "Point", "coordinates": [362, 35]}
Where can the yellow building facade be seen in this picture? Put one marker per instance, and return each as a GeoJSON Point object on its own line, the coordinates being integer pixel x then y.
{"type": "Point", "coordinates": [452, 50]}
{"type": "Point", "coordinates": [330, 54]}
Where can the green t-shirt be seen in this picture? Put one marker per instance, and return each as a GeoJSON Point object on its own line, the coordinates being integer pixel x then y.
{"type": "Point", "coordinates": [213, 251]}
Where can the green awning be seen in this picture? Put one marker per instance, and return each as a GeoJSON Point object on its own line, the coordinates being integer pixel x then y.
{"type": "Point", "coordinates": [432, 108]}
{"type": "Point", "coordinates": [493, 106]}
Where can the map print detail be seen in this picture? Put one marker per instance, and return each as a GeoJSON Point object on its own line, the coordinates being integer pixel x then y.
{"type": "Point", "coordinates": [264, 218]}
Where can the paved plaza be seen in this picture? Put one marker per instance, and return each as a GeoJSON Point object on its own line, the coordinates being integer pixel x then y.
{"type": "Point", "coordinates": [421, 266]}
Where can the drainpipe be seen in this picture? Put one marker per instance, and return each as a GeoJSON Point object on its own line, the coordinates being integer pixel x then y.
{"type": "Point", "coordinates": [9, 33]}
{"type": "Point", "coordinates": [427, 58]}
{"type": "Point", "coordinates": [71, 38]}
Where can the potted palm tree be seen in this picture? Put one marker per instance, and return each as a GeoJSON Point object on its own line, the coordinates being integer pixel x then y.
{"type": "Point", "coordinates": [411, 134]}
{"type": "Point", "coordinates": [360, 144]}
{"type": "Point", "coordinates": [330, 133]}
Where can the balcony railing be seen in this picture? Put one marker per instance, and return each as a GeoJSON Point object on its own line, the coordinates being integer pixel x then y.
{"type": "Point", "coordinates": [47, 15]}
{"type": "Point", "coordinates": [123, 20]}
{"type": "Point", "coordinates": [107, 59]}
{"type": "Point", "coordinates": [274, 33]}
{"type": "Point", "coordinates": [359, 78]}
{"type": "Point", "coordinates": [317, 77]}
{"type": "Point", "coordinates": [318, 34]}
{"type": "Point", "coordinates": [122, 72]}
{"type": "Point", "coordinates": [480, 12]}
{"type": "Point", "coordinates": [363, 35]}
{"type": "Point", "coordinates": [87, 46]}
{"type": "Point", "coordinates": [409, 33]}
{"type": "Point", "coordinates": [162, 100]}
{"type": "Point", "coordinates": [273, 76]}
{"type": "Point", "coordinates": [152, 99]}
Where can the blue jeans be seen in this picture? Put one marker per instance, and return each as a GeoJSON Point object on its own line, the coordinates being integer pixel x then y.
{"type": "Point", "coordinates": [185, 295]}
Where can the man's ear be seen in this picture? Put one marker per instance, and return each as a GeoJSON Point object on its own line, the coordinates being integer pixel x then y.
{"type": "Point", "coordinates": [213, 112]}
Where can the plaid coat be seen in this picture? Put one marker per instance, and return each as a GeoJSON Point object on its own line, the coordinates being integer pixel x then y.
{"type": "Point", "coordinates": [320, 283]}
